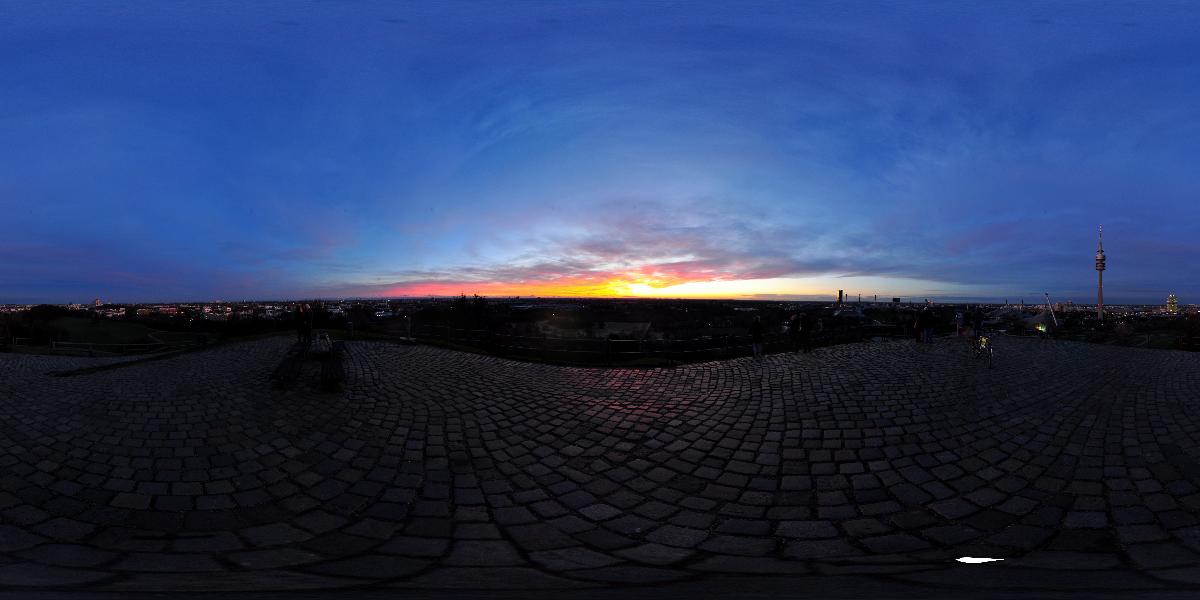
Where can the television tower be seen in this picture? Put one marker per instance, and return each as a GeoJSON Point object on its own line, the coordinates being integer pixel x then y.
{"type": "Point", "coordinates": [1100, 276]}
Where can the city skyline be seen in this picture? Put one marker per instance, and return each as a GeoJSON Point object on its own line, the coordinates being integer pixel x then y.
{"type": "Point", "coordinates": [827, 299]}
{"type": "Point", "coordinates": [174, 153]}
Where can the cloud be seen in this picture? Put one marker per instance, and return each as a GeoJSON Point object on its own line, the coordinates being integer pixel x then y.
{"type": "Point", "coordinates": [659, 244]}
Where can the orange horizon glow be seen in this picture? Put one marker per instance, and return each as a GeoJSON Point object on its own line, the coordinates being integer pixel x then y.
{"type": "Point", "coordinates": [667, 287]}
{"type": "Point", "coordinates": [580, 288]}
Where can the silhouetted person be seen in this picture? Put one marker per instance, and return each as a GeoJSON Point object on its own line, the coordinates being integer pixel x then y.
{"type": "Point", "coordinates": [926, 322]}
{"type": "Point", "coordinates": [808, 331]}
{"type": "Point", "coordinates": [301, 319]}
{"type": "Point", "coordinates": [308, 325]}
{"type": "Point", "coordinates": [794, 332]}
{"type": "Point", "coordinates": [977, 321]}
{"type": "Point", "coordinates": [756, 337]}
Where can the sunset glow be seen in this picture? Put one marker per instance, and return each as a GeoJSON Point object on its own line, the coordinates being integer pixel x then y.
{"type": "Point", "coordinates": [808, 288]}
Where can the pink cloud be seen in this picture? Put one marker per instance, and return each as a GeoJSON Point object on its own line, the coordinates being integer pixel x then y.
{"type": "Point", "coordinates": [646, 243]}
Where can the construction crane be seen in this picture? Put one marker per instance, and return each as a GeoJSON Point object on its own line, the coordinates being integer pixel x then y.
{"type": "Point", "coordinates": [1050, 307]}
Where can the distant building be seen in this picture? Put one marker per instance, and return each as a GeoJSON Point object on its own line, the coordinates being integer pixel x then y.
{"type": "Point", "coordinates": [1172, 304]}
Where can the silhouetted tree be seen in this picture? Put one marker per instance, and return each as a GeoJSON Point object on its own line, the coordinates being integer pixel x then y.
{"type": "Point", "coordinates": [47, 312]}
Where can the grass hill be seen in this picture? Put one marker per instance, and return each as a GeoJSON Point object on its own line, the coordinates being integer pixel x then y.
{"type": "Point", "coordinates": [102, 331]}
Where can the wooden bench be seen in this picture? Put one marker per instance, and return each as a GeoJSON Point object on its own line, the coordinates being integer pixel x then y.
{"type": "Point", "coordinates": [321, 345]}
{"type": "Point", "coordinates": [289, 368]}
{"type": "Point", "coordinates": [332, 371]}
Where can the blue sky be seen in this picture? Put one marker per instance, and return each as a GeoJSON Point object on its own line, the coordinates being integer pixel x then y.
{"type": "Point", "coordinates": [170, 151]}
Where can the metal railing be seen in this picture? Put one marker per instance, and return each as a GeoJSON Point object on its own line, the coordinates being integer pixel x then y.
{"type": "Point", "coordinates": [612, 351]}
{"type": "Point", "coordinates": [52, 346]}
{"type": "Point", "coordinates": [91, 348]}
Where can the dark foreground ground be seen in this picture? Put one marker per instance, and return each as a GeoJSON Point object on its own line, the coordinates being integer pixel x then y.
{"type": "Point", "coordinates": [858, 471]}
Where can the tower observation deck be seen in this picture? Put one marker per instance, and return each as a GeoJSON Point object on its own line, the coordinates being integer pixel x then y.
{"type": "Point", "coordinates": [1100, 275]}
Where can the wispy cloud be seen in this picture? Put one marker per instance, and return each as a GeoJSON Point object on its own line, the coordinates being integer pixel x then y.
{"type": "Point", "coordinates": [654, 244]}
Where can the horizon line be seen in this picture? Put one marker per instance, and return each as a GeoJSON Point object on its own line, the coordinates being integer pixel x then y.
{"type": "Point", "coordinates": [747, 298]}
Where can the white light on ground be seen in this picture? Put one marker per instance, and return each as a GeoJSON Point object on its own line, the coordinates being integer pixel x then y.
{"type": "Point", "coordinates": [976, 560]}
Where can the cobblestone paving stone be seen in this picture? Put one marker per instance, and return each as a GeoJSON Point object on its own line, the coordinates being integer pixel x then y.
{"type": "Point", "coordinates": [1078, 464]}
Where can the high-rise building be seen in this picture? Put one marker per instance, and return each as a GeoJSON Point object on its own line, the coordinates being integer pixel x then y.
{"type": "Point", "coordinates": [1172, 304]}
{"type": "Point", "coordinates": [1100, 276]}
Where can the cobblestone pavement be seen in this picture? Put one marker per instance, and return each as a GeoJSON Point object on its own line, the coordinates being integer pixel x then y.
{"type": "Point", "coordinates": [1078, 464]}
